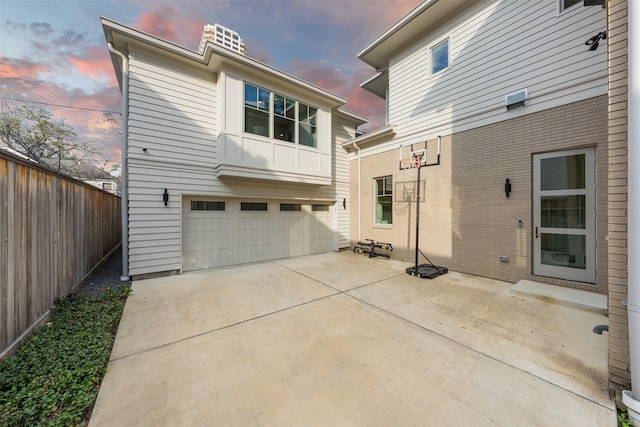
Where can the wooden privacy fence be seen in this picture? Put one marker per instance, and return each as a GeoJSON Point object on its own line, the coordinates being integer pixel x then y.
{"type": "Point", "coordinates": [53, 231]}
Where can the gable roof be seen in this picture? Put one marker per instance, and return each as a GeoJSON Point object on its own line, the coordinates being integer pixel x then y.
{"type": "Point", "coordinates": [212, 58]}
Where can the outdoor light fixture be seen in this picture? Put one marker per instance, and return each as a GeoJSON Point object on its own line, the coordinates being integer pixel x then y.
{"type": "Point", "coordinates": [595, 40]}
{"type": "Point", "coordinates": [165, 197]}
{"type": "Point", "coordinates": [507, 187]}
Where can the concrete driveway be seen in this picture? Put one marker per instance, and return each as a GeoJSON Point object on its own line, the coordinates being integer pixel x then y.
{"type": "Point", "coordinates": [343, 340]}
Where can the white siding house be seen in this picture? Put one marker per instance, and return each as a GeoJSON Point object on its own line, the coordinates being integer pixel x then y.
{"type": "Point", "coordinates": [495, 48]}
{"type": "Point", "coordinates": [245, 180]}
{"type": "Point", "coordinates": [510, 91]}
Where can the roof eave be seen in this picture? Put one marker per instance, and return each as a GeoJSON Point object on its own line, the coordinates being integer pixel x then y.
{"type": "Point", "coordinates": [427, 16]}
{"type": "Point", "coordinates": [360, 120]}
{"type": "Point", "coordinates": [377, 84]}
{"type": "Point", "coordinates": [378, 134]}
{"type": "Point", "coordinates": [395, 28]}
{"type": "Point", "coordinates": [111, 27]}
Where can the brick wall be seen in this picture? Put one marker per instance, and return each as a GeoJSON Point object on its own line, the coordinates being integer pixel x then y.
{"type": "Point", "coordinates": [466, 221]}
{"type": "Point", "coordinates": [619, 370]}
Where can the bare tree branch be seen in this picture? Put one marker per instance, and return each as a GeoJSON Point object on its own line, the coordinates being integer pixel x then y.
{"type": "Point", "coordinates": [32, 130]}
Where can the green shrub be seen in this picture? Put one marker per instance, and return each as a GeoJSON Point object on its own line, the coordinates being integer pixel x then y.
{"type": "Point", "coordinates": [54, 378]}
{"type": "Point", "coordinates": [623, 419]}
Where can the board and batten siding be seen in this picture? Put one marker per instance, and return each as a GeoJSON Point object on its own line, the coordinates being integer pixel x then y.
{"type": "Point", "coordinates": [496, 48]}
{"type": "Point", "coordinates": [174, 115]}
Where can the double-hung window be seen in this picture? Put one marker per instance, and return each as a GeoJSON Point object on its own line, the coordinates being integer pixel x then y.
{"type": "Point", "coordinates": [440, 56]}
{"type": "Point", "coordinates": [384, 200]}
{"type": "Point", "coordinates": [257, 110]}
{"type": "Point", "coordinates": [277, 116]}
{"type": "Point", "coordinates": [284, 118]}
{"type": "Point", "coordinates": [307, 122]}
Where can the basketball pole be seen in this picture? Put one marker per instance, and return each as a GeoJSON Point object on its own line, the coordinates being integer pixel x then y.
{"type": "Point", "coordinates": [418, 214]}
{"type": "Point", "coordinates": [427, 270]}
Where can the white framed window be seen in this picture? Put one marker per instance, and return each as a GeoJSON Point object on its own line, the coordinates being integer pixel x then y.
{"type": "Point", "coordinates": [257, 110]}
{"type": "Point", "coordinates": [277, 116]}
{"type": "Point", "coordinates": [284, 118]}
{"type": "Point", "coordinates": [383, 200]}
{"type": "Point", "coordinates": [307, 118]}
{"type": "Point", "coordinates": [439, 56]}
{"type": "Point", "coordinates": [566, 4]}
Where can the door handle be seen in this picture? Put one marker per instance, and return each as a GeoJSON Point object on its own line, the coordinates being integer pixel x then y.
{"type": "Point", "coordinates": [537, 232]}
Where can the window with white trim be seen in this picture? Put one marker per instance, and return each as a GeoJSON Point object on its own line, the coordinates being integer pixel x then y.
{"type": "Point", "coordinates": [307, 130]}
{"type": "Point", "coordinates": [284, 118]}
{"type": "Point", "coordinates": [257, 110]}
{"type": "Point", "coordinates": [439, 55]}
{"type": "Point", "coordinates": [566, 4]}
{"type": "Point", "coordinates": [277, 116]}
{"type": "Point", "coordinates": [383, 200]}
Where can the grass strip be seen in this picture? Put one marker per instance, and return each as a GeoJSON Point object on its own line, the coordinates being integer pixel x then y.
{"type": "Point", "coordinates": [54, 377]}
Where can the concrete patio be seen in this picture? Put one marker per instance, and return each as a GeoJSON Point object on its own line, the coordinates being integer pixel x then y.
{"type": "Point", "coordinates": [341, 339]}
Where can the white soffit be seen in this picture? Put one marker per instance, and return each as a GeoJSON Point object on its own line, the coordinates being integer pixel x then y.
{"type": "Point", "coordinates": [429, 14]}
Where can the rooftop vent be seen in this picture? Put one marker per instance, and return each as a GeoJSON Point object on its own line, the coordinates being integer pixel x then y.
{"type": "Point", "coordinates": [221, 36]}
{"type": "Point", "coordinates": [516, 99]}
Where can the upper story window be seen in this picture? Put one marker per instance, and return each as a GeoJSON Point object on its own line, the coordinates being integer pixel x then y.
{"type": "Point", "coordinates": [440, 56]}
{"type": "Point", "coordinates": [274, 116]}
{"type": "Point", "coordinates": [284, 118]}
{"type": "Point", "coordinates": [257, 110]}
{"type": "Point", "coordinates": [308, 132]}
{"type": "Point", "coordinates": [566, 4]}
{"type": "Point", "coordinates": [383, 200]}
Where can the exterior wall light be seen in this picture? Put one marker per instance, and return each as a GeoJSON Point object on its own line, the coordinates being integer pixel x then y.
{"type": "Point", "coordinates": [595, 40]}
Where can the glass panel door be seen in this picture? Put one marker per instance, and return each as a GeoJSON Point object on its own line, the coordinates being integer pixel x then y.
{"type": "Point", "coordinates": [564, 215]}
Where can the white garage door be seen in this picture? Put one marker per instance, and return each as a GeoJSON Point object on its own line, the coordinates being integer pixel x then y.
{"type": "Point", "coordinates": [227, 232]}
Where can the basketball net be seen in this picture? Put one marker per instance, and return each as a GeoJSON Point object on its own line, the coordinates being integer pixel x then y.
{"type": "Point", "coordinates": [409, 164]}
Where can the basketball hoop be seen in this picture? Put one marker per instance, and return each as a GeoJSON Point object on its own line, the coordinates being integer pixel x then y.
{"type": "Point", "coordinates": [410, 163]}
{"type": "Point", "coordinates": [417, 160]}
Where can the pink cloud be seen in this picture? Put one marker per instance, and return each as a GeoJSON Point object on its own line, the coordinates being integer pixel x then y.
{"type": "Point", "coordinates": [348, 86]}
{"type": "Point", "coordinates": [167, 22]}
{"type": "Point", "coordinates": [20, 81]}
{"type": "Point", "coordinates": [95, 64]}
{"type": "Point", "coordinates": [20, 68]}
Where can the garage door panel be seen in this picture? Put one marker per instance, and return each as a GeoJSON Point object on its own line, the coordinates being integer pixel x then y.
{"type": "Point", "coordinates": [233, 236]}
{"type": "Point", "coordinates": [191, 243]}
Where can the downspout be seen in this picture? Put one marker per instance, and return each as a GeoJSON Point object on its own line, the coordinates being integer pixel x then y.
{"type": "Point", "coordinates": [359, 191]}
{"type": "Point", "coordinates": [125, 185]}
{"type": "Point", "coordinates": [632, 398]}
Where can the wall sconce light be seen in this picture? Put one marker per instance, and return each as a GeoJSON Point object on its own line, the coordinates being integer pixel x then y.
{"type": "Point", "coordinates": [344, 203]}
{"type": "Point", "coordinates": [507, 187]}
{"type": "Point", "coordinates": [165, 197]}
{"type": "Point", "coordinates": [595, 40]}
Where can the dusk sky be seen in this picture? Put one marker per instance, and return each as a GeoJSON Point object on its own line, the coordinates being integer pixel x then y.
{"type": "Point", "coordinates": [54, 51]}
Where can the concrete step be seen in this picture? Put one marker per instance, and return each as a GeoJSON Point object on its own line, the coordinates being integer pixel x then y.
{"type": "Point", "coordinates": [568, 297]}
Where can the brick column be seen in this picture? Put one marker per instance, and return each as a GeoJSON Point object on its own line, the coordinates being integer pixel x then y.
{"type": "Point", "coordinates": [619, 369]}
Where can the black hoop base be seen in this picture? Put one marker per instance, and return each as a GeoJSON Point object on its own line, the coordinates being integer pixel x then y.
{"type": "Point", "coordinates": [427, 271]}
